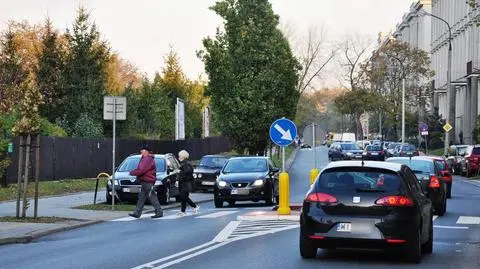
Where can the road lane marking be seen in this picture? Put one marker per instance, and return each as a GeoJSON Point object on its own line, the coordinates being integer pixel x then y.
{"type": "Point", "coordinates": [451, 227]}
{"type": "Point", "coordinates": [468, 220]}
{"type": "Point", "coordinates": [144, 216]}
{"type": "Point", "coordinates": [226, 232]}
{"type": "Point", "coordinates": [152, 263]}
{"type": "Point", "coordinates": [434, 217]}
{"type": "Point", "coordinates": [216, 214]}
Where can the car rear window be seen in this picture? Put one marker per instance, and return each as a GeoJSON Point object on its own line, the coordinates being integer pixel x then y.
{"type": "Point", "coordinates": [440, 164]}
{"type": "Point", "coordinates": [409, 148]}
{"type": "Point", "coordinates": [374, 148]}
{"type": "Point", "coordinates": [358, 180]}
{"type": "Point", "coordinates": [417, 166]}
{"type": "Point", "coordinates": [349, 146]}
{"type": "Point", "coordinates": [476, 151]}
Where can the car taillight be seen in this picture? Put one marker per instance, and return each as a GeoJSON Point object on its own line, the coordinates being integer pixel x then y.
{"type": "Point", "coordinates": [395, 200]}
{"type": "Point", "coordinates": [434, 182]}
{"type": "Point", "coordinates": [321, 198]}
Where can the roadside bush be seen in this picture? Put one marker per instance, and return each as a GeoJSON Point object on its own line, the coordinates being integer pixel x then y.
{"type": "Point", "coordinates": [87, 127]}
{"type": "Point", "coordinates": [50, 129]}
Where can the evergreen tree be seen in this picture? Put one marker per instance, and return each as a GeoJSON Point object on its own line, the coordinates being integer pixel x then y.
{"type": "Point", "coordinates": [50, 65]}
{"type": "Point", "coordinates": [83, 79]}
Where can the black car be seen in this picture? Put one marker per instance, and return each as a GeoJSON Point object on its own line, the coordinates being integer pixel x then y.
{"type": "Point", "coordinates": [430, 178]}
{"type": "Point", "coordinates": [374, 153]}
{"type": "Point", "coordinates": [370, 205]}
{"type": "Point", "coordinates": [205, 175]}
{"type": "Point", "coordinates": [127, 186]}
{"type": "Point", "coordinates": [344, 151]}
{"type": "Point", "coordinates": [247, 179]}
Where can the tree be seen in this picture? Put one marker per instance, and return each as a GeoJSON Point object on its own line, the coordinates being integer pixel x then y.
{"type": "Point", "coordinates": [354, 51]}
{"type": "Point", "coordinates": [49, 69]}
{"type": "Point", "coordinates": [83, 80]}
{"type": "Point", "coordinates": [120, 75]}
{"type": "Point", "coordinates": [252, 73]}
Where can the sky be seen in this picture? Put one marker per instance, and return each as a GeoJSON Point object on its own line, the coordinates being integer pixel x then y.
{"type": "Point", "coordinates": [143, 31]}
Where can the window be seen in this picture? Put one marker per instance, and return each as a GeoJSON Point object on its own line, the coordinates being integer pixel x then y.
{"type": "Point", "coordinates": [349, 146]}
{"type": "Point", "coordinates": [131, 163]}
{"type": "Point", "coordinates": [246, 165]}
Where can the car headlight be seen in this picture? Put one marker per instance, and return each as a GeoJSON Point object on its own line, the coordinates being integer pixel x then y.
{"type": "Point", "coordinates": [258, 182]}
{"type": "Point", "coordinates": [199, 175]}
{"type": "Point", "coordinates": [349, 153]}
{"type": "Point", "coordinates": [364, 153]}
{"type": "Point", "coordinates": [109, 182]}
{"type": "Point", "coordinates": [222, 183]}
{"type": "Point", "coordinates": [194, 175]}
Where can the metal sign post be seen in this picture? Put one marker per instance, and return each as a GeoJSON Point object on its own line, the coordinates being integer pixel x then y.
{"type": "Point", "coordinates": [114, 108]}
{"type": "Point", "coordinates": [180, 120]}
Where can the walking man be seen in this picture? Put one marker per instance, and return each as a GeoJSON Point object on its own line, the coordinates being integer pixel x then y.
{"type": "Point", "coordinates": [186, 183]}
{"type": "Point", "coordinates": [146, 174]}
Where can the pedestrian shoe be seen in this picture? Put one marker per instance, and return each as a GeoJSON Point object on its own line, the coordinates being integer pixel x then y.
{"type": "Point", "coordinates": [196, 209]}
{"type": "Point", "coordinates": [133, 215]}
{"type": "Point", "coordinates": [158, 215]}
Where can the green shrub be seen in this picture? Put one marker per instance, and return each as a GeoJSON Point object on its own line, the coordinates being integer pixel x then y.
{"type": "Point", "coordinates": [87, 127]}
{"type": "Point", "coordinates": [51, 129]}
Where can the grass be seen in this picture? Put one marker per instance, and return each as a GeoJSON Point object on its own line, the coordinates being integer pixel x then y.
{"type": "Point", "coordinates": [34, 220]}
{"type": "Point", "coordinates": [277, 158]}
{"type": "Point", "coordinates": [436, 152]}
{"type": "Point", "coordinates": [108, 207]}
{"type": "Point", "coordinates": [49, 188]}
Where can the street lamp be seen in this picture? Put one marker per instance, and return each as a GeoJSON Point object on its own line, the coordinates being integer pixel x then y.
{"type": "Point", "coordinates": [450, 94]}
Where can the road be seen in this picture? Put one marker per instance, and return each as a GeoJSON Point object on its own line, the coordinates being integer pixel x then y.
{"type": "Point", "coordinates": [215, 239]}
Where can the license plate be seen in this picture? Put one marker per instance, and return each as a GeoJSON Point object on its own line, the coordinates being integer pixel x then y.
{"type": "Point", "coordinates": [131, 190]}
{"type": "Point", "coordinates": [239, 192]}
{"type": "Point", "coordinates": [126, 189]}
{"type": "Point", "coordinates": [344, 227]}
{"type": "Point", "coordinates": [374, 153]}
{"type": "Point", "coordinates": [208, 183]}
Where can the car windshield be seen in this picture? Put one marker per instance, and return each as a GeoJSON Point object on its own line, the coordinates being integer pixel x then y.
{"type": "Point", "coordinates": [246, 165]}
{"type": "Point", "coordinates": [409, 148]}
{"type": "Point", "coordinates": [418, 166]}
{"type": "Point", "coordinates": [213, 162]}
{"type": "Point", "coordinates": [357, 180]}
{"type": "Point", "coordinates": [131, 163]}
{"type": "Point", "coordinates": [374, 148]}
{"type": "Point", "coordinates": [440, 164]}
{"type": "Point", "coordinates": [349, 146]}
{"type": "Point", "coordinates": [462, 150]}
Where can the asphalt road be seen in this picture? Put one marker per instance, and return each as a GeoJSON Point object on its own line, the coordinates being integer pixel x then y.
{"type": "Point", "coordinates": [215, 239]}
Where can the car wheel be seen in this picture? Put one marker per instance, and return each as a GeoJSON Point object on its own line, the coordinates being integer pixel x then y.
{"type": "Point", "coordinates": [414, 253]}
{"type": "Point", "coordinates": [307, 250]}
{"type": "Point", "coordinates": [108, 197]}
{"type": "Point", "coordinates": [449, 190]}
{"type": "Point", "coordinates": [269, 197]}
{"type": "Point", "coordinates": [163, 196]}
{"type": "Point", "coordinates": [231, 203]}
{"type": "Point", "coordinates": [427, 248]}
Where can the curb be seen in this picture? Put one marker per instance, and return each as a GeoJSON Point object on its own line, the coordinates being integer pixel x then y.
{"type": "Point", "coordinates": [35, 235]}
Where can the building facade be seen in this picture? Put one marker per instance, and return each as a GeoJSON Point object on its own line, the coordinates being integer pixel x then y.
{"type": "Point", "coordinates": [462, 19]}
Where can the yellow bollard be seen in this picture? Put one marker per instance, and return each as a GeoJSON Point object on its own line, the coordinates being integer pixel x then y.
{"type": "Point", "coordinates": [313, 175]}
{"type": "Point", "coordinates": [284, 189]}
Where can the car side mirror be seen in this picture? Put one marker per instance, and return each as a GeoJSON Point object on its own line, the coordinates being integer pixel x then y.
{"type": "Point", "coordinates": [274, 170]}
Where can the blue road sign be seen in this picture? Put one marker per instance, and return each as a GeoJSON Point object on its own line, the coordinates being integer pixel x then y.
{"type": "Point", "coordinates": [423, 127]}
{"type": "Point", "coordinates": [283, 132]}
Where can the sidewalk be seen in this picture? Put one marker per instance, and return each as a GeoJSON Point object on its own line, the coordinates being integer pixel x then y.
{"type": "Point", "coordinates": [61, 206]}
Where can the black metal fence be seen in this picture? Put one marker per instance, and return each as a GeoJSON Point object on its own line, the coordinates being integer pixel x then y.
{"type": "Point", "coordinates": [62, 158]}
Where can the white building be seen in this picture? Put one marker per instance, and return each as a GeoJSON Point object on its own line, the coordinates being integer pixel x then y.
{"type": "Point", "coordinates": [465, 62]}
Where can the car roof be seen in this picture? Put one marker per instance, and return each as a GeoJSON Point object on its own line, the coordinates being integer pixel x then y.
{"type": "Point", "coordinates": [395, 167]}
{"type": "Point", "coordinates": [156, 155]}
{"type": "Point", "coordinates": [436, 158]}
{"type": "Point", "coordinates": [420, 158]}
{"type": "Point", "coordinates": [215, 156]}
{"type": "Point", "coordinates": [249, 157]}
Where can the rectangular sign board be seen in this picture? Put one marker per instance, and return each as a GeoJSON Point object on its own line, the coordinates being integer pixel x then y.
{"type": "Point", "coordinates": [120, 107]}
{"type": "Point", "coordinates": [180, 120]}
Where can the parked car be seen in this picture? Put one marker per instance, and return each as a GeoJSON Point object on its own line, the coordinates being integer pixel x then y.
{"type": "Point", "coordinates": [305, 146]}
{"type": "Point", "coordinates": [248, 178]}
{"type": "Point", "coordinates": [446, 173]}
{"type": "Point", "coordinates": [377, 205]}
{"type": "Point", "coordinates": [344, 151]}
{"type": "Point", "coordinates": [205, 174]}
{"type": "Point", "coordinates": [391, 149]}
{"type": "Point", "coordinates": [472, 160]}
{"type": "Point", "coordinates": [127, 186]}
{"type": "Point", "coordinates": [406, 150]}
{"type": "Point", "coordinates": [374, 152]}
{"type": "Point", "coordinates": [456, 159]}
{"type": "Point", "coordinates": [430, 178]}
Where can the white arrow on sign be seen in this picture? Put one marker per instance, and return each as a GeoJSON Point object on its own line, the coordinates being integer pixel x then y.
{"type": "Point", "coordinates": [286, 135]}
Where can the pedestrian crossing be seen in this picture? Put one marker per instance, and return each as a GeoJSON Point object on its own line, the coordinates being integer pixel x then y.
{"type": "Point", "coordinates": [201, 215]}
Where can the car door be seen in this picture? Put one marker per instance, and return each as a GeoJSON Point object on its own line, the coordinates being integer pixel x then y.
{"type": "Point", "coordinates": [424, 204]}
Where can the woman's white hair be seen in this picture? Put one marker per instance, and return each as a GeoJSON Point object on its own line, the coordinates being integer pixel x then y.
{"type": "Point", "coordinates": [183, 154]}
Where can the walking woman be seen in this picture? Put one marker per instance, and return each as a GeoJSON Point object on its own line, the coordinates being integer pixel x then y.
{"type": "Point", "coordinates": [186, 183]}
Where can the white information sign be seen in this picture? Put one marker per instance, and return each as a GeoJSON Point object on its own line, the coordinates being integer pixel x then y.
{"type": "Point", "coordinates": [180, 120]}
{"type": "Point", "coordinates": [120, 104]}
{"type": "Point", "coordinates": [206, 121]}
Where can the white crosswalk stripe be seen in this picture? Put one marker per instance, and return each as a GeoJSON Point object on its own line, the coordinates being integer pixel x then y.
{"type": "Point", "coordinates": [468, 220]}
{"type": "Point", "coordinates": [216, 214]}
